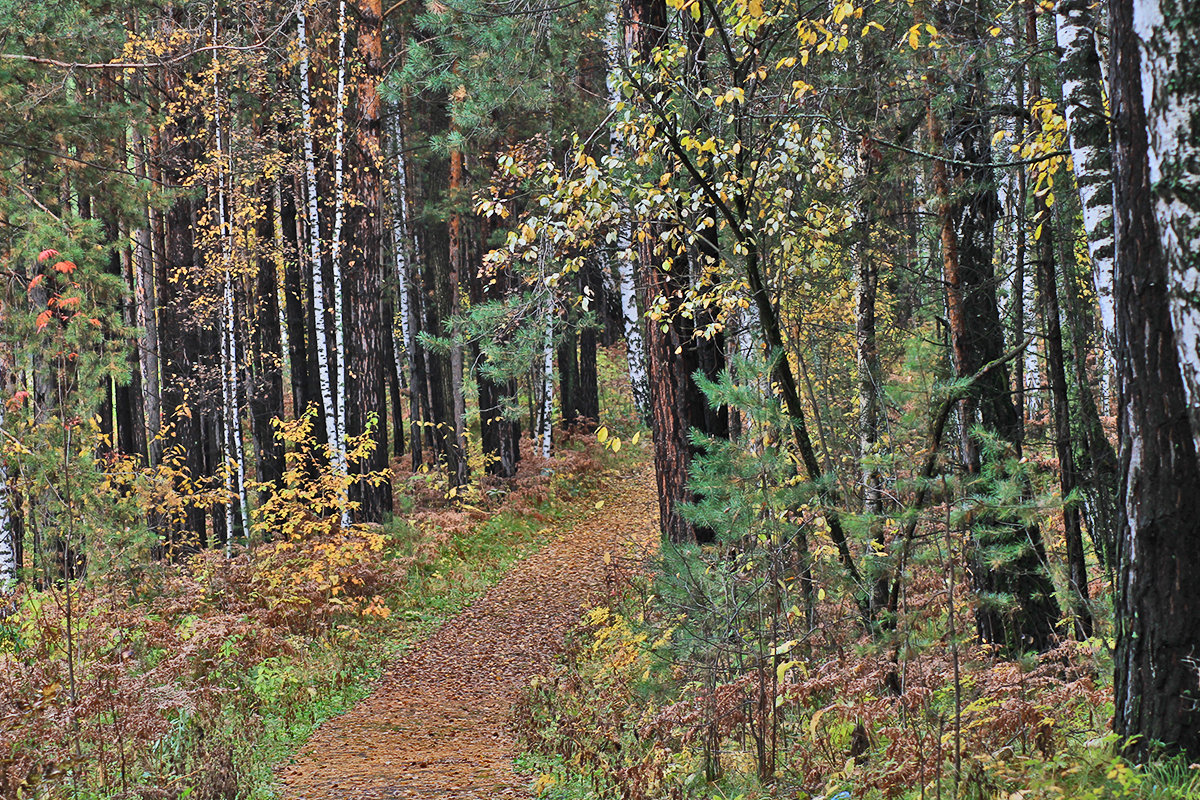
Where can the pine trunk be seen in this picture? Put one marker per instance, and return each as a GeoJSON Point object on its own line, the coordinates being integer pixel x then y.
{"type": "Point", "coordinates": [1017, 608]}
{"type": "Point", "coordinates": [295, 279]}
{"type": "Point", "coordinates": [365, 358]}
{"type": "Point", "coordinates": [266, 397]}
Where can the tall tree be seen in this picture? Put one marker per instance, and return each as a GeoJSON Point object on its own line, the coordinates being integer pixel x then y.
{"type": "Point", "coordinates": [1156, 686]}
{"type": "Point", "coordinates": [366, 354]}
{"type": "Point", "coordinates": [1091, 153]}
{"type": "Point", "coordinates": [1170, 47]}
{"type": "Point", "coordinates": [1017, 608]}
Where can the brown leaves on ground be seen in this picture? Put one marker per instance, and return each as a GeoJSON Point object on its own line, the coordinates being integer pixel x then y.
{"type": "Point", "coordinates": [438, 724]}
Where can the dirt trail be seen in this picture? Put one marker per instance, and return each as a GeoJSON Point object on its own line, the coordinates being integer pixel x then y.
{"type": "Point", "coordinates": [437, 725]}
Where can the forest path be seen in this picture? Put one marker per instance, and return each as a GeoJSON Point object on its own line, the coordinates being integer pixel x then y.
{"type": "Point", "coordinates": [438, 723]}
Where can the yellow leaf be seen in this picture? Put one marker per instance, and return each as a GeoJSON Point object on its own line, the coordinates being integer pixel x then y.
{"type": "Point", "coordinates": [602, 434]}
{"type": "Point", "coordinates": [636, 438]}
{"type": "Point", "coordinates": [616, 445]}
{"type": "Point", "coordinates": [755, 8]}
{"type": "Point", "coordinates": [543, 783]}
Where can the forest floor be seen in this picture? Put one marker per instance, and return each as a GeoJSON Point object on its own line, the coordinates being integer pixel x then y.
{"type": "Point", "coordinates": [438, 722]}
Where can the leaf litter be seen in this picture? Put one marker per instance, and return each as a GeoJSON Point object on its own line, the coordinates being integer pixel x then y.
{"type": "Point", "coordinates": [438, 724]}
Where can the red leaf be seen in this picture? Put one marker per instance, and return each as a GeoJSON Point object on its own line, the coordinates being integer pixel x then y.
{"type": "Point", "coordinates": [36, 280]}
{"type": "Point", "coordinates": [17, 400]}
{"type": "Point", "coordinates": [65, 267]}
{"type": "Point", "coordinates": [95, 322]}
{"type": "Point", "coordinates": [43, 319]}
{"type": "Point", "coordinates": [45, 255]}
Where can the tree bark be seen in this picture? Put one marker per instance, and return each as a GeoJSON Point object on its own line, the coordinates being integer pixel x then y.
{"type": "Point", "coordinates": [266, 399]}
{"type": "Point", "coordinates": [1068, 473]}
{"type": "Point", "coordinates": [587, 389]}
{"type": "Point", "coordinates": [1091, 153]}
{"type": "Point", "coordinates": [321, 302]}
{"type": "Point", "coordinates": [365, 354]}
{"type": "Point", "coordinates": [1170, 48]}
{"type": "Point", "coordinates": [614, 48]}
{"type": "Point", "coordinates": [295, 278]}
{"type": "Point", "coordinates": [967, 225]}
{"type": "Point", "coordinates": [676, 403]}
{"type": "Point", "coordinates": [1155, 690]}
{"type": "Point", "coordinates": [8, 544]}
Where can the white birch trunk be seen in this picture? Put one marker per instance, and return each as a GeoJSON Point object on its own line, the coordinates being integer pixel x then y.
{"type": "Point", "coordinates": [280, 265]}
{"type": "Point", "coordinates": [8, 547]}
{"type": "Point", "coordinates": [1171, 94]}
{"type": "Point", "coordinates": [548, 377]}
{"type": "Point", "coordinates": [632, 323]}
{"type": "Point", "coordinates": [320, 301]}
{"type": "Point", "coordinates": [1091, 155]}
{"type": "Point", "coordinates": [400, 240]}
{"type": "Point", "coordinates": [145, 305]}
{"type": "Point", "coordinates": [1033, 393]}
{"type": "Point", "coordinates": [339, 205]}
{"type": "Point", "coordinates": [235, 479]}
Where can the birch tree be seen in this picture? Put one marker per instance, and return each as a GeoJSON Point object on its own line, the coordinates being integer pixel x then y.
{"type": "Point", "coordinates": [338, 381]}
{"type": "Point", "coordinates": [635, 347]}
{"type": "Point", "coordinates": [1158, 599]}
{"type": "Point", "coordinates": [1170, 49]}
{"type": "Point", "coordinates": [8, 544]}
{"type": "Point", "coordinates": [320, 300]}
{"type": "Point", "coordinates": [1091, 154]}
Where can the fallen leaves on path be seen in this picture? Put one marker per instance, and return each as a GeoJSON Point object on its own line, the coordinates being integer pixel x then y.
{"type": "Point", "coordinates": [438, 723]}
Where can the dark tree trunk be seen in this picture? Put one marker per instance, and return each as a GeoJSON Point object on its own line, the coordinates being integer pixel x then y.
{"type": "Point", "coordinates": [436, 304]}
{"type": "Point", "coordinates": [1156, 695]}
{"type": "Point", "coordinates": [587, 385]}
{"type": "Point", "coordinates": [418, 383]}
{"type": "Point", "coordinates": [499, 429]}
{"type": "Point", "coordinates": [568, 374]}
{"type": "Point", "coordinates": [1099, 470]}
{"type": "Point", "coordinates": [393, 381]}
{"type": "Point", "coordinates": [295, 279]}
{"type": "Point", "coordinates": [211, 434]}
{"type": "Point", "coordinates": [365, 323]}
{"type": "Point", "coordinates": [1017, 608]}
{"type": "Point", "coordinates": [128, 422]}
{"type": "Point", "coordinates": [266, 390]}
{"type": "Point", "coordinates": [672, 357]}
{"type": "Point", "coordinates": [669, 412]}
{"type": "Point", "coordinates": [1068, 473]}
{"type": "Point", "coordinates": [177, 348]}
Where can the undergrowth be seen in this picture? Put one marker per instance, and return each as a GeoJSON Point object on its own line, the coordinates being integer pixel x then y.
{"type": "Point", "coordinates": [750, 667]}
{"type": "Point", "coordinates": [197, 679]}
{"type": "Point", "coordinates": [630, 713]}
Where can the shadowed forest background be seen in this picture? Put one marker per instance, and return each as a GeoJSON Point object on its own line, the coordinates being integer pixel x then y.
{"type": "Point", "coordinates": [315, 318]}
